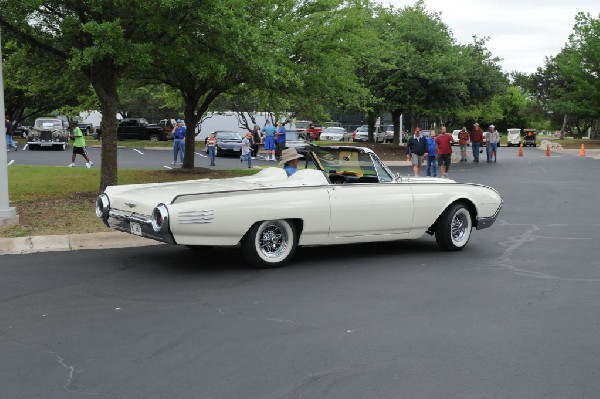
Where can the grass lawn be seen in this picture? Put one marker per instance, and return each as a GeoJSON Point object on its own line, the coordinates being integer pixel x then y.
{"type": "Point", "coordinates": [60, 200]}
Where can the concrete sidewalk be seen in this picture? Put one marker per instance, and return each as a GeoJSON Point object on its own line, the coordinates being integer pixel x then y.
{"type": "Point", "coordinates": [72, 242]}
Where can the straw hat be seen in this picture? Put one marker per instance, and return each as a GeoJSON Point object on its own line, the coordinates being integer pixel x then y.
{"type": "Point", "coordinates": [289, 154]}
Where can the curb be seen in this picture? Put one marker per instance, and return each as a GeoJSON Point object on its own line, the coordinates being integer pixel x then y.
{"type": "Point", "coordinates": [72, 242]}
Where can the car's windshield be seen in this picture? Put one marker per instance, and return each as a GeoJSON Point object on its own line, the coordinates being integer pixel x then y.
{"type": "Point", "coordinates": [49, 123]}
{"type": "Point", "coordinates": [349, 162]}
{"type": "Point", "coordinates": [228, 136]}
{"type": "Point", "coordinates": [338, 130]}
{"type": "Point", "coordinates": [302, 124]}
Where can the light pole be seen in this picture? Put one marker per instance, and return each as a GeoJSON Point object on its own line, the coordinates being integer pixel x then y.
{"type": "Point", "coordinates": [8, 215]}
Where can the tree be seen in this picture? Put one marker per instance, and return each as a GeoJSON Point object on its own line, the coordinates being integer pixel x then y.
{"type": "Point", "coordinates": [568, 86]}
{"type": "Point", "coordinates": [431, 75]}
{"type": "Point", "coordinates": [37, 84]}
{"type": "Point", "coordinates": [279, 55]}
{"type": "Point", "coordinates": [100, 39]}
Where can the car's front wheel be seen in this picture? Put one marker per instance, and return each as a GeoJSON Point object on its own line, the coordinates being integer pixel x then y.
{"type": "Point", "coordinates": [270, 244]}
{"type": "Point", "coordinates": [453, 229]}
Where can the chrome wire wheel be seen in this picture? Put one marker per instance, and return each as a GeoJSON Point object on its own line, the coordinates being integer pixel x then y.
{"type": "Point", "coordinates": [273, 240]}
{"type": "Point", "coordinates": [453, 228]}
{"type": "Point", "coordinates": [270, 243]}
{"type": "Point", "coordinates": [460, 226]}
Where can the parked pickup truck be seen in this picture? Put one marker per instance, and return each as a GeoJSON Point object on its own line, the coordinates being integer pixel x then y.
{"type": "Point", "coordinates": [137, 129]}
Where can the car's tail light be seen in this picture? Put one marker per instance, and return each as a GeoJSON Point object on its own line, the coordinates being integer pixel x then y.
{"type": "Point", "coordinates": [102, 206]}
{"type": "Point", "coordinates": [160, 217]}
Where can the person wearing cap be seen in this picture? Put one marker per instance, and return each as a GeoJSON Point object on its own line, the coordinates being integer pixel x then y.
{"type": "Point", "coordinates": [476, 141]}
{"type": "Point", "coordinates": [178, 142]}
{"type": "Point", "coordinates": [289, 160]}
{"type": "Point", "coordinates": [492, 138]}
{"type": "Point", "coordinates": [416, 149]}
{"type": "Point", "coordinates": [247, 149]}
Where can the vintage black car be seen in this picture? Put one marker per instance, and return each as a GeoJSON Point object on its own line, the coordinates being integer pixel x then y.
{"type": "Point", "coordinates": [48, 132]}
{"type": "Point", "coordinates": [137, 129]}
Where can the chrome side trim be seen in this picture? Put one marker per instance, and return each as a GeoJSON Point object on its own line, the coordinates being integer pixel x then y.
{"type": "Point", "coordinates": [484, 223]}
{"type": "Point", "coordinates": [203, 216]}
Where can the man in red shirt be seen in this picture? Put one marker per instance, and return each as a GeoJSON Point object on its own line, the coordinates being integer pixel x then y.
{"type": "Point", "coordinates": [444, 151]}
{"type": "Point", "coordinates": [476, 141]}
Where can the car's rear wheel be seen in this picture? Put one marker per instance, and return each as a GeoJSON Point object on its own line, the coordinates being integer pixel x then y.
{"type": "Point", "coordinates": [453, 229]}
{"type": "Point", "coordinates": [270, 243]}
{"type": "Point", "coordinates": [153, 137]}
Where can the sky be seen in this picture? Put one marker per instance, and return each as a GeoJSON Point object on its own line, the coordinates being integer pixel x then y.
{"type": "Point", "coordinates": [521, 32]}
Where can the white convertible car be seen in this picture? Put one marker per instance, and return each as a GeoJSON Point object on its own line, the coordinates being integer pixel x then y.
{"type": "Point", "coordinates": [341, 195]}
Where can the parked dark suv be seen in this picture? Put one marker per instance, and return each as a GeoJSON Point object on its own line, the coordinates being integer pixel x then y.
{"type": "Point", "coordinates": [138, 129]}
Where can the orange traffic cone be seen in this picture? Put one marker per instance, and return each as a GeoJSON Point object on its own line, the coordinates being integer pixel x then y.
{"type": "Point", "coordinates": [582, 151]}
{"type": "Point", "coordinates": [521, 150]}
{"type": "Point", "coordinates": [548, 150]}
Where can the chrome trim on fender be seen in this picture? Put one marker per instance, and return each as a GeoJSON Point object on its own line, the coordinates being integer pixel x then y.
{"type": "Point", "coordinates": [484, 223]}
{"type": "Point", "coordinates": [203, 216]}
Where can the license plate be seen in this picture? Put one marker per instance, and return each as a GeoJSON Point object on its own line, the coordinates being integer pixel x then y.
{"type": "Point", "coordinates": [237, 148]}
{"type": "Point", "coordinates": [135, 228]}
{"type": "Point", "coordinates": [46, 144]}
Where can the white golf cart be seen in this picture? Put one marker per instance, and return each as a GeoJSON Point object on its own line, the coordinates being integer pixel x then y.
{"type": "Point", "coordinates": [513, 137]}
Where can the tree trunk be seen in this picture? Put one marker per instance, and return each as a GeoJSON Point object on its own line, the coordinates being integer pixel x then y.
{"type": "Point", "coordinates": [564, 126]}
{"type": "Point", "coordinates": [104, 82]}
{"type": "Point", "coordinates": [396, 120]}
{"type": "Point", "coordinates": [191, 120]}
{"type": "Point", "coordinates": [371, 122]}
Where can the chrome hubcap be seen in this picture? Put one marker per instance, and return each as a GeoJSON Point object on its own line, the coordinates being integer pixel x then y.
{"type": "Point", "coordinates": [460, 225]}
{"type": "Point", "coordinates": [273, 240]}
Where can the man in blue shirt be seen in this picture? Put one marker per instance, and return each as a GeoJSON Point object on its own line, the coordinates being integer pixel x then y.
{"type": "Point", "coordinates": [178, 141]}
{"type": "Point", "coordinates": [280, 139]}
{"type": "Point", "coordinates": [289, 160]}
{"type": "Point", "coordinates": [269, 131]}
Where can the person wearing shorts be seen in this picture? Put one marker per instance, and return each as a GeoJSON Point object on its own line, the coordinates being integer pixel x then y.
{"type": "Point", "coordinates": [79, 146]}
{"type": "Point", "coordinates": [444, 151]}
{"type": "Point", "coordinates": [416, 148]}
{"type": "Point", "coordinates": [269, 131]}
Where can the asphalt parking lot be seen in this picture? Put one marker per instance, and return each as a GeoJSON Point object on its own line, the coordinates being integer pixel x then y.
{"type": "Point", "coordinates": [514, 315]}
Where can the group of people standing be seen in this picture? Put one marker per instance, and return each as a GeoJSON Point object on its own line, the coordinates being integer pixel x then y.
{"type": "Point", "coordinates": [273, 138]}
{"type": "Point", "coordinates": [437, 149]}
{"type": "Point", "coordinates": [492, 138]}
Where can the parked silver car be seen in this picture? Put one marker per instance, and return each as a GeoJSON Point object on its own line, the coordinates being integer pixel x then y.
{"type": "Point", "coordinates": [335, 134]}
